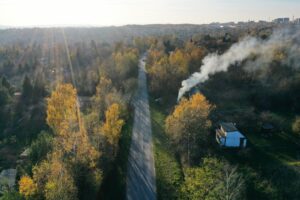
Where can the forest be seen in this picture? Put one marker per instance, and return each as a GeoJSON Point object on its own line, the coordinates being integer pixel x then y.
{"type": "Point", "coordinates": [66, 99]}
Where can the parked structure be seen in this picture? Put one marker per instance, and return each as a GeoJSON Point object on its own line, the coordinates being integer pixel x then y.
{"type": "Point", "coordinates": [284, 20]}
{"type": "Point", "coordinates": [227, 135]}
{"type": "Point", "coordinates": [267, 129]}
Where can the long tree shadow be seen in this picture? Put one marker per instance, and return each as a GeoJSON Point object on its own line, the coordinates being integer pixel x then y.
{"type": "Point", "coordinates": [114, 183]}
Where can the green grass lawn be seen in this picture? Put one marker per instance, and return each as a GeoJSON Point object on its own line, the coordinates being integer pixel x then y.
{"type": "Point", "coordinates": [271, 165]}
{"type": "Point", "coordinates": [168, 170]}
{"type": "Point", "coordinates": [282, 146]}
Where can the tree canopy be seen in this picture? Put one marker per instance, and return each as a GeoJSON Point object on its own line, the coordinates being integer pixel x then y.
{"type": "Point", "coordinates": [188, 126]}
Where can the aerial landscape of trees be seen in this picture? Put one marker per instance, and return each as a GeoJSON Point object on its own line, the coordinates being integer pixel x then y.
{"type": "Point", "coordinates": [69, 104]}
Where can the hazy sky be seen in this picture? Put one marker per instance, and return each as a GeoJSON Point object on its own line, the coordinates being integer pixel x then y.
{"type": "Point", "coordinates": [120, 12]}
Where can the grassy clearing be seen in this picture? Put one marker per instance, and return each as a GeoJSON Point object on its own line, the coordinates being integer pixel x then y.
{"type": "Point", "coordinates": [168, 170]}
{"type": "Point", "coordinates": [114, 184]}
{"type": "Point", "coordinates": [281, 146]}
{"type": "Point", "coordinates": [270, 165]}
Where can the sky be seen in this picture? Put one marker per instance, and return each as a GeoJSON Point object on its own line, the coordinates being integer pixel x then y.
{"type": "Point", "coordinates": [121, 12]}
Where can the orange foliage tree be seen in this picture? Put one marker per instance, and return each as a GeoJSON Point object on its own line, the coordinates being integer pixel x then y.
{"type": "Point", "coordinates": [188, 126]}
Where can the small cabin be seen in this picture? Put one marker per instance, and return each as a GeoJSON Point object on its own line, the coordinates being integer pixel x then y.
{"type": "Point", "coordinates": [227, 135]}
{"type": "Point", "coordinates": [267, 130]}
{"type": "Point", "coordinates": [25, 153]}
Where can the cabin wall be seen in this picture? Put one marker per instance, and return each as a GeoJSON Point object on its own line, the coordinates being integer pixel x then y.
{"type": "Point", "coordinates": [232, 142]}
{"type": "Point", "coordinates": [233, 139]}
{"type": "Point", "coordinates": [245, 143]}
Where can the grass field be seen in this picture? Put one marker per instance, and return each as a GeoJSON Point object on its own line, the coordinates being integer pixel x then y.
{"type": "Point", "coordinates": [168, 170]}
{"type": "Point", "coordinates": [271, 165]}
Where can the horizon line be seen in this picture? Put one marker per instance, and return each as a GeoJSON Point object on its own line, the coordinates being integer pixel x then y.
{"type": "Point", "coordinates": [120, 25]}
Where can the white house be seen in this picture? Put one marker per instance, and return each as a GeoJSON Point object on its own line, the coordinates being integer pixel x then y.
{"type": "Point", "coordinates": [227, 135]}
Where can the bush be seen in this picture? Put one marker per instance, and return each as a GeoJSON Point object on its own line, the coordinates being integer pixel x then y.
{"type": "Point", "coordinates": [40, 147]}
{"type": "Point", "coordinates": [11, 195]}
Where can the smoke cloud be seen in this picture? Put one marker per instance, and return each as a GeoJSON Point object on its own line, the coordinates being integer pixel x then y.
{"type": "Point", "coordinates": [263, 49]}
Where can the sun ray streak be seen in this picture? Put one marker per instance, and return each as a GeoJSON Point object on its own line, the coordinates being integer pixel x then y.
{"type": "Point", "coordinates": [81, 125]}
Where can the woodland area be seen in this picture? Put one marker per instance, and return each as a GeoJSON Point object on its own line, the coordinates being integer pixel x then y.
{"type": "Point", "coordinates": [69, 114]}
{"type": "Point", "coordinates": [66, 96]}
{"type": "Point", "coordinates": [251, 93]}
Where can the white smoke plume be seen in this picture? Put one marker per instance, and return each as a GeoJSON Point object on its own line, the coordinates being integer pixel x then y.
{"type": "Point", "coordinates": [216, 63]}
{"type": "Point", "coordinates": [238, 52]}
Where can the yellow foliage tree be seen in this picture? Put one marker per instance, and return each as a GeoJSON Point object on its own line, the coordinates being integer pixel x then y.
{"type": "Point", "coordinates": [188, 126]}
{"type": "Point", "coordinates": [103, 88]}
{"type": "Point", "coordinates": [63, 116]}
{"type": "Point", "coordinates": [54, 180]}
{"type": "Point", "coordinates": [27, 187]}
{"type": "Point", "coordinates": [112, 127]}
{"type": "Point", "coordinates": [179, 61]}
{"type": "Point", "coordinates": [62, 109]}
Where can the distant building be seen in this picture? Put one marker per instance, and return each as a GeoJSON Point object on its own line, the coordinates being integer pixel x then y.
{"type": "Point", "coordinates": [285, 20]}
{"type": "Point", "coordinates": [297, 21]}
{"type": "Point", "coordinates": [227, 135]}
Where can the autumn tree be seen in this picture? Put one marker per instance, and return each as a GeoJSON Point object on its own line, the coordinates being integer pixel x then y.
{"type": "Point", "coordinates": [71, 142]}
{"type": "Point", "coordinates": [196, 54]}
{"type": "Point", "coordinates": [104, 97]}
{"type": "Point", "coordinates": [214, 179]}
{"type": "Point", "coordinates": [103, 88]}
{"type": "Point", "coordinates": [62, 108]}
{"type": "Point", "coordinates": [164, 73]}
{"type": "Point", "coordinates": [27, 187]}
{"type": "Point", "coordinates": [126, 63]}
{"type": "Point", "coordinates": [112, 126]}
{"type": "Point", "coordinates": [62, 115]}
{"type": "Point", "coordinates": [53, 179]}
{"type": "Point", "coordinates": [188, 126]}
{"type": "Point", "coordinates": [168, 70]}
{"type": "Point", "coordinates": [179, 60]}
